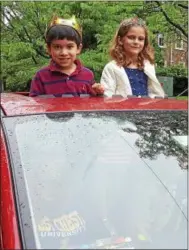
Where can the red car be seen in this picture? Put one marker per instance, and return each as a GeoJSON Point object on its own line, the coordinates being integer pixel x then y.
{"type": "Point", "coordinates": [89, 173]}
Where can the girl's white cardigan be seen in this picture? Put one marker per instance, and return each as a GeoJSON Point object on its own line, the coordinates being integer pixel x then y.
{"type": "Point", "coordinates": [116, 82]}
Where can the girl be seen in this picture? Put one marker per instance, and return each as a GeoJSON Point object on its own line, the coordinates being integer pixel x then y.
{"type": "Point", "coordinates": [131, 72]}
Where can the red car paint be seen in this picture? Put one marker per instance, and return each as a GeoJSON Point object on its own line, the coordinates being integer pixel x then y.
{"type": "Point", "coordinates": [9, 228]}
{"type": "Point", "coordinates": [16, 104]}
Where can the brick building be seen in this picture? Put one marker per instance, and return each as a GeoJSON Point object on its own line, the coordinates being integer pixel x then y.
{"type": "Point", "coordinates": [175, 52]}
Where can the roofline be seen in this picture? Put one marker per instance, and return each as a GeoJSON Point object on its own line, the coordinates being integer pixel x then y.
{"type": "Point", "coordinates": [16, 104]}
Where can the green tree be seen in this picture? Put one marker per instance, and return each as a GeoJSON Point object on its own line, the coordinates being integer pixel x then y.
{"type": "Point", "coordinates": [23, 49]}
{"type": "Point", "coordinates": [168, 17]}
{"type": "Point", "coordinates": [23, 28]}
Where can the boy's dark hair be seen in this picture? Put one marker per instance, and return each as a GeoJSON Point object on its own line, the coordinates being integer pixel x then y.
{"type": "Point", "coordinates": [62, 32]}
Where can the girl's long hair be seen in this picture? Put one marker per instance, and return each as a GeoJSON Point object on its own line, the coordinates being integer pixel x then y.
{"type": "Point", "coordinates": [117, 52]}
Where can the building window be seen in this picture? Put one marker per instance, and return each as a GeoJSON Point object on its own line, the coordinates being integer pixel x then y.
{"type": "Point", "coordinates": [161, 42]}
{"type": "Point", "coordinates": [179, 44]}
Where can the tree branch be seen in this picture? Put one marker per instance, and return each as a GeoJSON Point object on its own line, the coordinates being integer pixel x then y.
{"type": "Point", "coordinates": [33, 58]}
{"type": "Point", "coordinates": [4, 24]}
{"type": "Point", "coordinates": [182, 6]}
{"type": "Point", "coordinates": [27, 34]}
{"type": "Point", "coordinates": [19, 35]}
{"type": "Point", "coordinates": [10, 14]}
{"type": "Point", "coordinates": [34, 44]}
{"type": "Point", "coordinates": [40, 53]}
{"type": "Point", "coordinates": [177, 26]}
{"type": "Point", "coordinates": [37, 23]}
{"type": "Point", "coordinates": [8, 19]}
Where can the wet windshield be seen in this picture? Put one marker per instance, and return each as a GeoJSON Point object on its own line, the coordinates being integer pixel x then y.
{"type": "Point", "coordinates": [102, 179]}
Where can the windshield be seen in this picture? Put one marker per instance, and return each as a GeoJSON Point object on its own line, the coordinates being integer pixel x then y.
{"type": "Point", "coordinates": [101, 179]}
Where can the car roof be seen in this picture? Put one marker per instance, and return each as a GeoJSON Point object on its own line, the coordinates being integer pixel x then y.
{"type": "Point", "coordinates": [14, 104]}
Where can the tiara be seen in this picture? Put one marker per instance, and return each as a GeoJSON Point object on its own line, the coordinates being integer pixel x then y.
{"type": "Point", "coordinates": [132, 21]}
{"type": "Point", "coordinates": [72, 22]}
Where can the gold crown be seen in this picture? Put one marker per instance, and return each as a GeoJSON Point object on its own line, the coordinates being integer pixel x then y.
{"type": "Point", "coordinates": [72, 22]}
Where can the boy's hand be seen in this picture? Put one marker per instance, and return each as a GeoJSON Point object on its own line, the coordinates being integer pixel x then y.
{"type": "Point", "coordinates": [98, 88]}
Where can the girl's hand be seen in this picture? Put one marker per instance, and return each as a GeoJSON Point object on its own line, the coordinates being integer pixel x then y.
{"type": "Point", "coordinates": [98, 88]}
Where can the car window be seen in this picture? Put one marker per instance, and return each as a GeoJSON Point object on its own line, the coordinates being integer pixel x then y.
{"type": "Point", "coordinates": [101, 179]}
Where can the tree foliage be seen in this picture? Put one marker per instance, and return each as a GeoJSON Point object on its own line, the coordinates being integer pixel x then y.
{"type": "Point", "coordinates": [174, 71]}
{"type": "Point", "coordinates": [157, 133]}
{"type": "Point", "coordinates": [168, 17]}
{"type": "Point", "coordinates": [23, 49]}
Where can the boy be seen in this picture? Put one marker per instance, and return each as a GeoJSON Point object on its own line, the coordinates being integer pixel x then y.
{"type": "Point", "coordinates": [64, 74]}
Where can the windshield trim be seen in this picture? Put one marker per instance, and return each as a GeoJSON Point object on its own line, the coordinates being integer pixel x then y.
{"type": "Point", "coordinates": [96, 110]}
{"type": "Point", "coordinates": [23, 212]}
